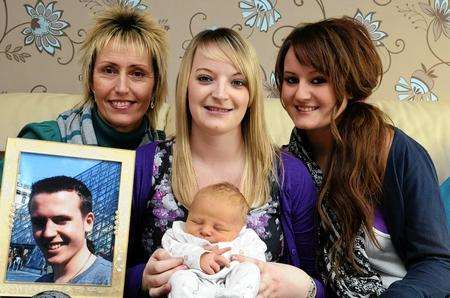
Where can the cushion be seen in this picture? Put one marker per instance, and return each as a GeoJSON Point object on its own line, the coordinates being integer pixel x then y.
{"type": "Point", "coordinates": [424, 121]}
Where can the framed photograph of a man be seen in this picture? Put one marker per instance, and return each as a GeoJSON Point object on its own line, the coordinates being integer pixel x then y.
{"type": "Point", "coordinates": [64, 219]}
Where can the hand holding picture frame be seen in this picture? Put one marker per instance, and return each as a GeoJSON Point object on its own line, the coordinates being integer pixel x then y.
{"type": "Point", "coordinates": [64, 219]}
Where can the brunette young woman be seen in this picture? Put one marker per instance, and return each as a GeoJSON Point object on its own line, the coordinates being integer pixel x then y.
{"type": "Point", "coordinates": [383, 227]}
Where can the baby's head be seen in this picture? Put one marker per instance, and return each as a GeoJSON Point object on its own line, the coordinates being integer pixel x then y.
{"type": "Point", "coordinates": [217, 213]}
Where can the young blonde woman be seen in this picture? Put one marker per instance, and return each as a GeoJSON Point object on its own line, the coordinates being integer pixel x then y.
{"type": "Point", "coordinates": [383, 226]}
{"type": "Point", "coordinates": [221, 136]}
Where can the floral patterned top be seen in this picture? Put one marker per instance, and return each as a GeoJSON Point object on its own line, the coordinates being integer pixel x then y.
{"type": "Point", "coordinates": [162, 209]}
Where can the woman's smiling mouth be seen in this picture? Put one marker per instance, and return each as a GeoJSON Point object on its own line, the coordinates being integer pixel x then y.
{"type": "Point", "coordinates": [217, 109]}
{"type": "Point", "coordinates": [306, 108]}
{"type": "Point", "coordinates": [121, 104]}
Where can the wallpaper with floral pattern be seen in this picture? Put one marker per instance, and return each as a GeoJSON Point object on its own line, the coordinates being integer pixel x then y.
{"type": "Point", "coordinates": [40, 39]}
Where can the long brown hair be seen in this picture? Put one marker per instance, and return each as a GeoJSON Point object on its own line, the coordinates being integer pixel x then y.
{"type": "Point", "coordinates": [342, 50]}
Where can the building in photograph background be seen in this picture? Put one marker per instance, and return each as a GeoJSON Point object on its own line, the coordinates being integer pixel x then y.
{"type": "Point", "coordinates": [103, 181]}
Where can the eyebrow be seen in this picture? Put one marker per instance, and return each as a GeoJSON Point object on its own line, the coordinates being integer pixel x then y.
{"type": "Point", "coordinates": [53, 218]}
{"type": "Point", "coordinates": [130, 66]}
{"type": "Point", "coordinates": [208, 70]}
{"type": "Point", "coordinates": [312, 72]}
{"type": "Point", "coordinates": [221, 223]}
{"type": "Point", "coordinates": [61, 217]}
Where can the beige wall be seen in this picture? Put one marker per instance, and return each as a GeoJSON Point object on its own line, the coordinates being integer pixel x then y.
{"type": "Point", "coordinates": [410, 36]}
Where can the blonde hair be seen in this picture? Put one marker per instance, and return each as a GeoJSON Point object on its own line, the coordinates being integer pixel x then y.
{"type": "Point", "coordinates": [126, 27]}
{"type": "Point", "coordinates": [259, 151]}
{"type": "Point", "coordinates": [225, 192]}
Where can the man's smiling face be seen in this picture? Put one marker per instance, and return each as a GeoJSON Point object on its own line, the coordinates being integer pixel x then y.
{"type": "Point", "coordinates": [59, 227]}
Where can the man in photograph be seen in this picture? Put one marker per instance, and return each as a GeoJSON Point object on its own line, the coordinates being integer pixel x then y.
{"type": "Point", "coordinates": [61, 215]}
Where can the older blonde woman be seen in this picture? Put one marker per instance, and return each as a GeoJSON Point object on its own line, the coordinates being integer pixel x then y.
{"type": "Point", "coordinates": [221, 136]}
{"type": "Point", "coordinates": [124, 84]}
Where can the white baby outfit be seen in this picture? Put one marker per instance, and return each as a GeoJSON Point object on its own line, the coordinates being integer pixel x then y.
{"type": "Point", "coordinates": [238, 280]}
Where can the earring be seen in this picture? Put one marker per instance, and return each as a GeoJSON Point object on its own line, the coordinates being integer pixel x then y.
{"type": "Point", "coordinates": [152, 102]}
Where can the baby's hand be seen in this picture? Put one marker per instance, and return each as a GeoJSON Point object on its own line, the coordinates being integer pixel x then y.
{"type": "Point", "coordinates": [211, 262]}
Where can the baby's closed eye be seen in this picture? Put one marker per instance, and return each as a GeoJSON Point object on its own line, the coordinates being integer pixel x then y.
{"type": "Point", "coordinates": [221, 228]}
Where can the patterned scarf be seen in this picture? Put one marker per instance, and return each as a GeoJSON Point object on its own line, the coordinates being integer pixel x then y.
{"type": "Point", "coordinates": [75, 126]}
{"type": "Point", "coordinates": [345, 281]}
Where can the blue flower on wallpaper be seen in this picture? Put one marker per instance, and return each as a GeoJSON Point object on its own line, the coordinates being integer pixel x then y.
{"type": "Point", "coordinates": [44, 26]}
{"type": "Point", "coordinates": [259, 13]}
{"type": "Point", "coordinates": [134, 3]}
{"type": "Point", "coordinates": [419, 87]}
{"type": "Point", "coordinates": [271, 86]}
{"type": "Point", "coordinates": [441, 17]}
{"type": "Point", "coordinates": [371, 26]}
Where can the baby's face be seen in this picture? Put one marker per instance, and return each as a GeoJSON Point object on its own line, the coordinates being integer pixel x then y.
{"type": "Point", "coordinates": [214, 220]}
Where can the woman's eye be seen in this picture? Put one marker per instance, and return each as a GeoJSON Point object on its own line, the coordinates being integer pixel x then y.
{"type": "Point", "coordinates": [109, 70]}
{"type": "Point", "coordinates": [204, 78]}
{"type": "Point", "coordinates": [319, 80]}
{"type": "Point", "coordinates": [138, 74]}
{"type": "Point", "coordinates": [239, 83]}
{"type": "Point", "coordinates": [291, 80]}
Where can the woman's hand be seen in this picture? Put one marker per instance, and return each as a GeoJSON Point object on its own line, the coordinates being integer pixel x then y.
{"type": "Point", "coordinates": [157, 272]}
{"type": "Point", "coordinates": [279, 280]}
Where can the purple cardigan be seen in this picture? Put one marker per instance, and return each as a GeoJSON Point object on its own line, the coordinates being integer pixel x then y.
{"type": "Point", "coordinates": [297, 199]}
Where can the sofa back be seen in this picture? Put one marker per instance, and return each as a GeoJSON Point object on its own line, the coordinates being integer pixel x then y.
{"type": "Point", "coordinates": [19, 109]}
{"type": "Point", "coordinates": [424, 121]}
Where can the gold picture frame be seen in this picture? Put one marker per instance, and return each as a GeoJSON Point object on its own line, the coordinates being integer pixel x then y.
{"type": "Point", "coordinates": [107, 172]}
